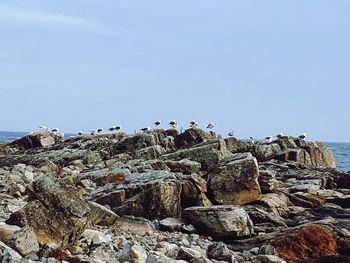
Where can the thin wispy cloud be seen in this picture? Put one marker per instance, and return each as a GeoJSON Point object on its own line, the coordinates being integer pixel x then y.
{"type": "Point", "coordinates": [45, 19]}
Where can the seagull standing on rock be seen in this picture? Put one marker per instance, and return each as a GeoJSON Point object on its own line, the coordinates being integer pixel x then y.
{"type": "Point", "coordinates": [268, 139]}
{"type": "Point", "coordinates": [157, 123]}
{"type": "Point", "coordinates": [303, 136]}
{"type": "Point", "coordinates": [193, 124]}
{"type": "Point", "coordinates": [44, 128]}
{"type": "Point", "coordinates": [55, 130]}
{"type": "Point", "coordinates": [173, 124]}
{"type": "Point", "coordinates": [252, 140]}
{"type": "Point", "coordinates": [80, 133]}
{"type": "Point", "coordinates": [231, 134]}
{"type": "Point", "coordinates": [99, 130]}
{"type": "Point", "coordinates": [145, 129]}
{"type": "Point", "coordinates": [211, 125]}
{"type": "Point", "coordinates": [280, 135]}
{"type": "Point", "coordinates": [118, 128]}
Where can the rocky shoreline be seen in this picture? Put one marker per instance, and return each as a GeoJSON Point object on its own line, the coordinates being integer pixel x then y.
{"type": "Point", "coordinates": [164, 196]}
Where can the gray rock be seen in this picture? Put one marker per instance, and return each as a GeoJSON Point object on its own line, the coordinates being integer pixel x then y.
{"type": "Point", "coordinates": [58, 215]}
{"type": "Point", "coordinates": [24, 241]}
{"type": "Point", "coordinates": [219, 251]}
{"type": "Point", "coordinates": [220, 221]}
{"type": "Point", "coordinates": [235, 181]}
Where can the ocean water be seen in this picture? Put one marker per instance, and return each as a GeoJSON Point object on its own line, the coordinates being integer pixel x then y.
{"type": "Point", "coordinates": [341, 150]}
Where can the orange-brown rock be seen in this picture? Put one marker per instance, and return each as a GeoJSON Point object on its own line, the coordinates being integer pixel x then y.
{"type": "Point", "coordinates": [235, 181]}
{"type": "Point", "coordinates": [310, 242]}
{"type": "Point", "coordinates": [38, 139]}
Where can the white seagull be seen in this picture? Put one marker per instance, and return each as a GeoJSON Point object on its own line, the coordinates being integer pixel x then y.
{"type": "Point", "coordinates": [193, 124]}
{"type": "Point", "coordinates": [145, 129]}
{"type": "Point", "coordinates": [55, 130]}
{"type": "Point", "coordinates": [303, 136]}
{"type": "Point", "coordinates": [280, 135]}
{"type": "Point", "coordinates": [118, 127]}
{"type": "Point", "coordinates": [173, 124]}
{"type": "Point", "coordinates": [211, 125]}
{"type": "Point", "coordinates": [99, 130]}
{"type": "Point", "coordinates": [80, 133]}
{"type": "Point", "coordinates": [231, 134]}
{"type": "Point", "coordinates": [157, 123]}
{"type": "Point", "coordinates": [252, 140]}
{"type": "Point", "coordinates": [268, 139]}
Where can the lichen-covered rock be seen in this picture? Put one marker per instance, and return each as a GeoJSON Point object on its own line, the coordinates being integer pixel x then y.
{"type": "Point", "coordinates": [295, 155]}
{"type": "Point", "coordinates": [24, 241]}
{"type": "Point", "coordinates": [191, 137]}
{"type": "Point", "coordinates": [208, 153]}
{"type": "Point", "coordinates": [235, 181]}
{"type": "Point", "coordinates": [184, 166]}
{"type": "Point", "coordinates": [309, 242]}
{"type": "Point", "coordinates": [220, 221]}
{"type": "Point", "coordinates": [58, 215]}
{"type": "Point", "coordinates": [320, 155]}
{"type": "Point", "coordinates": [38, 139]}
{"type": "Point", "coordinates": [151, 152]}
{"type": "Point", "coordinates": [264, 152]}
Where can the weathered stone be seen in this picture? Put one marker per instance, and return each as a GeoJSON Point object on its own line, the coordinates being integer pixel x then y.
{"type": "Point", "coordinates": [152, 195]}
{"type": "Point", "coordinates": [7, 230]}
{"type": "Point", "coordinates": [191, 255]}
{"type": "Point", "coordinates": [100, 215]}
{"type": "Point", "coordinates": [57, 216]}
{"type": "Point", "coordinates": [191, 137]}
{"type": "Point", "coordinates": [138, 254]}
{"type": "Point", "coordinates": [38, 139]}
{"type": "Point", "coordinates": [220, 221]}
{"type": "Point", "coordinates": [151, 152]}
{"type": "Point", "coordinates": [278, 203]}
{"type": "Point", "coordinates": [309, 242]}
{"type": "Point", "coordinates": [268, 259]}
{"type": "Point", "coordinates": [171, 224]}
{"type": "Point", "coordinates": [295, 155]}
{"type": "Point", "coordinates": [24, 241]}
{"type": "Point", "coordinates": [9, 255]}
{"type": "Point", "coordinates": [235, 181]}
{"type": "Point", "coordinates": [320, 155]}
{"type": "Point", "coordinates": [236, 146]}
{"type": "Point", "coordinates": [134, 225]}
{"type": "Point", "coordinates": [208, 153]}
{"type": "Point", "coordinates": [219, 251]}
{"type": "Point", "coordinates": [112, 199]}
{"type": "Point", "coordinates": [183, 166]}
{"type": "Point", "coordinates": [267, 180]}
{"type": "Point", "coordinates": [264, 152]}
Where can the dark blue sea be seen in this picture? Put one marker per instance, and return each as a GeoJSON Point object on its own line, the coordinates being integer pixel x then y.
{"type": "Point", "coordinates": [341, 150]}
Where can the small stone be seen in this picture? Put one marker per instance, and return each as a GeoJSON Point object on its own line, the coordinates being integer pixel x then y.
{"type": "Point", "coordinates": [24, 241]}
{"type": "Point", "coordinates": [75, 250]}
{"type": "Point", "coordinates": [138, 254]}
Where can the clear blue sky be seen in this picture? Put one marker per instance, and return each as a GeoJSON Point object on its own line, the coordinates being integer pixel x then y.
{"type": "Point", "coordinates": [255, 67]}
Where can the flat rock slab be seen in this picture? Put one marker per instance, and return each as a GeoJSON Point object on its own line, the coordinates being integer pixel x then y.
{"type": "Point", "coordinates": [220, 221]}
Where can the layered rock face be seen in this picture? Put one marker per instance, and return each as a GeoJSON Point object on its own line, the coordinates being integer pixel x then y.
{"type": "Point", "coordinates": [165, 196]}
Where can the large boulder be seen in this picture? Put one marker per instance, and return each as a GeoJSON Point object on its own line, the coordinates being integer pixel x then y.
{"type": "Point", "coordinates": [207, 153]}
{"type": "Point", "coordinates": [235, 181]}
{"type": "Point", "coordinates": [225, 221]}
{"type": "Point", "coordinates": [38, 139]}
{"type": "Point", "coordinates": [307, 243]}
{"type": "Point", "coordinates": [191, 137]}
{"type": "Point", "coordinates": [57, 215]}
{"type": "Point", "coordinates": [320, 155]}
{"type": "Point", "coordinates": [295, 155]}
{"type": "Point", "coordinates": [142, 140]}
{"type": "Point", "coordinates": [160, 194]}
{"type": "Point", "coordinates": [264, 152]}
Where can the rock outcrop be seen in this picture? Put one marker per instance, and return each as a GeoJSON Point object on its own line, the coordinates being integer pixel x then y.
{"type": "Point", "coordinates": [163, 196]}
{"type": "Point", "coordinates": [235, 181]}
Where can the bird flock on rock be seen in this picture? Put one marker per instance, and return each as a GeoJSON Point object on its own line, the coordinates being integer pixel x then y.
{"type": "Point", "coordinates": [174, 124]}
